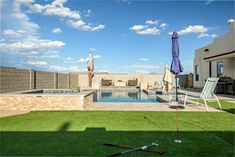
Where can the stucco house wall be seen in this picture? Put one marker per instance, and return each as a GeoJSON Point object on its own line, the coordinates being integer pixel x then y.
{"type": "Point", "coordinates": [221, 45]}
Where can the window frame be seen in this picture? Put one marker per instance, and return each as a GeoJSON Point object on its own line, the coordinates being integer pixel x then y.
{"type": "Point", "coordinates": [196, 71]}
{"type": "Point", "coordinates": [218, 68]}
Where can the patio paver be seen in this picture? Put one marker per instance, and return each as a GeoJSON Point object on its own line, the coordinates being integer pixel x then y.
{"type": "Point", "coordinates": [6, 113]}
{"type": "Point", "coordinates": [132, 106]}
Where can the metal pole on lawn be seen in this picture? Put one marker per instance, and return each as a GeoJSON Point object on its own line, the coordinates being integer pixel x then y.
{"type": "Point", "coordinates": [177, 109]}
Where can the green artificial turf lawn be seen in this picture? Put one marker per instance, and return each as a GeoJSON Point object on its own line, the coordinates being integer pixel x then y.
{"type": "Point", "coordinates": [82, 133]}
{"type": "Point", "coordinates": [225, 104]}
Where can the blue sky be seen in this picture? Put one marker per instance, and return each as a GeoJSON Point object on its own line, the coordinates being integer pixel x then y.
{"type": "Point", "coordinates": [124, 36]}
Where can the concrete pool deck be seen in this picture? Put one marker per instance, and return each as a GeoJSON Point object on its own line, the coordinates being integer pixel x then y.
{"type": "Point", "coordinates": [89, 105]}
{"type": "Point", "coordinates": [139, 106]}
{"type": "Point", "coordinates": [128, 106]}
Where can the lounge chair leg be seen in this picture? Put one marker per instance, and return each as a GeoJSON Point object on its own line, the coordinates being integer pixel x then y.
{"type": "Point", "coordinates": [219, 104]}
{"type": "Point", "coordinates": [185, 99]}
{"type": "Point", "coordinates": [218, 101]}
{"type": "Point", "coordinates": [206, 105]}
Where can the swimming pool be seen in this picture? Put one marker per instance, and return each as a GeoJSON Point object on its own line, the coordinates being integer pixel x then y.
{"type": "Point", "coordinates": [133, 95]}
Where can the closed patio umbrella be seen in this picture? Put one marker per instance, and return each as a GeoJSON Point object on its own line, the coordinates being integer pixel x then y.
{"type": "Point", "coordinates": [167, 82]}
{"type": "Point", "coordinates": [90, 68]}
{"type": "Point", "coordinates": [176, 68]}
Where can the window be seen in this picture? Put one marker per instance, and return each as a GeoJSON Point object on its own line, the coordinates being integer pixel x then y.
{"type": "Point", "coordinates": [220, 68]}
{"type": "Point", "coordinates": [197, 72]}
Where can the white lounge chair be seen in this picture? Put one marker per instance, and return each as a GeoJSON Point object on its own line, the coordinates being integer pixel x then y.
{"type": "Point", "coordinates": [207, 93]}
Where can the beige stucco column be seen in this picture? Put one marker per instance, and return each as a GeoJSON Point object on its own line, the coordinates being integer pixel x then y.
{"type": "Point", "coordinates": [68, 81]}
{"type": "Point", "coordinates": [55, 80]}
{"type": "Point", "coordinates": [31, 79]}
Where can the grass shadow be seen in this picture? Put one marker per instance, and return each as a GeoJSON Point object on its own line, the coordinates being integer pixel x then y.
{"type": "Point", "coordinates": [231, 110]}
{"type": "Point", "coordinates": [90, 143]}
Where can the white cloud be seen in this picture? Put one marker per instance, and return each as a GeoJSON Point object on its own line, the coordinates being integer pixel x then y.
{"type": "Point", "coordinates": [13, 33]}
{"type": "Point", "coordinates": [142, 71]}
{"type": "Point", "coordinates": [97, 56]}
{"type": "Point", "coordinates": [137, 27]}
{"type": "Point", "coordinates": [202, 35]}
{"type": "Point", "coordinates": [59, 2]}
{"type": "Point", "coordinates": [46, 54]}
{"type": "Point", "coordinates": [149, 31]}
{"type": "Point", "coordinates": [142, 68]}
{"type": "Point", "coordinates": [25, 1]}
{"type": "Point", "coordinates": [29, 46]}
{"type": "Point", "coordinates": [78, 25]}
{"type": "Point", "coordinates": [92, 49]}
{"type": "Point", "coordinates": [143, 59]}
{"type": "Point", "coordinates": [61, 11]}
{"type": "Point", "coordinates": [56, 30]}
{"type": "Point", "coordinates": [83, 26]}
{"type": "Point", "coordinates": [57, 8]}
{"type": "Point", "coordinates": [37, 63]}
{"type": "Point", "coordinates": [69, 60]}
{"type": "Point", "coordinates": [36, 8]}
{"type": "Point", "coordinates": [15, 21]}
{"type": "Point", "coordinates": [150, 28]}
{"type": "Point", "coordinates": [81, 60]}
{"type": "Point", "coordinates": [193, 29]}
{"type": "Point", "coordinates": [87, 13]}
{"type": "Point", "coordinates": [163, 25]}
{"type": "Point", "coordinates": [170, 33]}
{"type": "Point", "coordinates": [73, 69]}
{"type": "Point", "coordinates": [152, 22]}
{"type": "Point", "coordinates": [56, 68]}
{"type": "Point", "coordinates": [20, 34]}
{"type": "Point", "coordinates": [200, 30]}
{"type": "Point", "coordinates": [145, 67]}
{"type": "Point", "coordinates": [98, 27]}
{"type": "Point", "coordinates": [64, 69]}
{"type": "Point", "coordinates": [50, 54]}
{"type": "Point", "coordinates": [213, 35]}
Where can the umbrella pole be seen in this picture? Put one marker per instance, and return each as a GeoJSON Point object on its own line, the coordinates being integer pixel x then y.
{"type": "Point", "coordinates": [177, 109]}
{"type": "Point", "coordinates": [176, 94]}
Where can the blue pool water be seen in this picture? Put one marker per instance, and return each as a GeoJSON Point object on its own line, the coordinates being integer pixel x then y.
{"type": "Point", "coordinates": [124, 96]}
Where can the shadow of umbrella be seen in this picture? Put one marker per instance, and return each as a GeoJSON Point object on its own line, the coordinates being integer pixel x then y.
{"type": "Point", "coordinates": [179, 107]}
{"type": "Point", "coordinates": [64, 127]}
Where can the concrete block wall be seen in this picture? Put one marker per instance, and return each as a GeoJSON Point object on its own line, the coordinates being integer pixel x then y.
{"type": "Point", "coordinates": [44, 80]}
{"type": "Point", "coordinates": [73, 81]}
{"type": "Point", "coordinates": [62, 81]}
{"type": "Point", "coordinates": [12, 79]}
